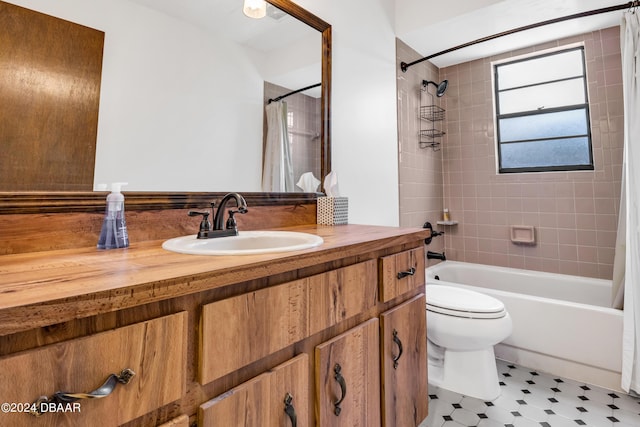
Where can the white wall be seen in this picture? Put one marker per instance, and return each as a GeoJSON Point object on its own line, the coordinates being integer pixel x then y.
{"type": "Point", "coordinates": [160, 116]}
{"type": "Point", "coordinates": [363, 106]}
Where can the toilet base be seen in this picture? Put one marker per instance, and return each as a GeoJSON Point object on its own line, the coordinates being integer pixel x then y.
{"type": "Point", "coordinates": [471, 373]}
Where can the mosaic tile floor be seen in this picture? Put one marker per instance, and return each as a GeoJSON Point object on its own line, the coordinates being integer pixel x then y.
{"type": "Point", "coordinates": [531, 398]}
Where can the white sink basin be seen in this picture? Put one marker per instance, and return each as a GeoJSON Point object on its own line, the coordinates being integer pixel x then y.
{"type": "Point", "coordinates": [245, 243]}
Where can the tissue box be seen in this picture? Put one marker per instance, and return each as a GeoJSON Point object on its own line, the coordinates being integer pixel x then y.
{"type": "Point", "coordinates": [333, 210]}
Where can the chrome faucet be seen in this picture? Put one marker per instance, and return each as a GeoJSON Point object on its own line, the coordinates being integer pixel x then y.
{"type": "Point", "coordinates": [231, 227]}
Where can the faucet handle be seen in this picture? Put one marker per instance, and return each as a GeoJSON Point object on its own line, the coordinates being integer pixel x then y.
{"type": "Point", "coordinates": [205, 225]}
{"type": "Point", "coordinates": [205, 214]}
{"type": "Point", "coordinates": [231, 221]}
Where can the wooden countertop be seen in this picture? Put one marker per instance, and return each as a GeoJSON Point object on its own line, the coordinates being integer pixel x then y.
{"type": "Point", "coordinates": [41, 288]}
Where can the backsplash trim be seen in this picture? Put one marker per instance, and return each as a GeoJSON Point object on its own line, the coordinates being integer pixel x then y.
{"type": "Point", "coordinates": [59, 202]}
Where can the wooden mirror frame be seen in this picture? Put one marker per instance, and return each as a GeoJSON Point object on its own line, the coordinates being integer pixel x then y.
{"type": "Point", "coordinates": [93, 201]}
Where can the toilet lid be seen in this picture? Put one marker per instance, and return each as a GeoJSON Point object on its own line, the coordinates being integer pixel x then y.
{"type": "Point", "coordinates": [463, 302]}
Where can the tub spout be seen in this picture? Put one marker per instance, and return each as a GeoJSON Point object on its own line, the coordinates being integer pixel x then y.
{"type": "Point", "coordinates": [436, 255]}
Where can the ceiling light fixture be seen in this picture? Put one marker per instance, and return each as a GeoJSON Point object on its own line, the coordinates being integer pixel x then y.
{"type": "Point", "coordinates": [255, 8]}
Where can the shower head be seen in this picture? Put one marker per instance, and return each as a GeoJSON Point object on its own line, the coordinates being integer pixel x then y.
{"type": "Point", "coordinates": [440, 87]}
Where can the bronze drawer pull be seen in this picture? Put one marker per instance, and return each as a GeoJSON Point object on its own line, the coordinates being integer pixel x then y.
{"type": "Point", "coordinates": [290, 410]}
{"type": "Point", "coordinates": [399, 343]}
{"type": "Point", "coordinates": [409, 272]}
{"type": "Point", "coordinates": [343, 388]}
{"type": "Point", "coordinates": [65, 397]}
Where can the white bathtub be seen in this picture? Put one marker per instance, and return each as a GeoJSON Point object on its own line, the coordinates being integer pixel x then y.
{"type": "Point", "coordinates": [562, 324]}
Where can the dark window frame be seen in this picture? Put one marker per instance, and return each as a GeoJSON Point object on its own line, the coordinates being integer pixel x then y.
{"type": "Point", "coordinates": [529, 113]}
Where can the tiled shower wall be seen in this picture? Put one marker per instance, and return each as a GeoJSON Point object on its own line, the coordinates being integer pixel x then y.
{"type": "Point", "coordinates": [304, 129]}
{"type": "Point", "coordinates": [420, 169]}
{"type": "Point", "coordinates": [574, 213]}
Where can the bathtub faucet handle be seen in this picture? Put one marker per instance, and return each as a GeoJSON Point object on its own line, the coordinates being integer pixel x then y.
{"type": "Point", "coordinates": [433, 233]}
{"type": "Point", "coordinates": [436, 255]}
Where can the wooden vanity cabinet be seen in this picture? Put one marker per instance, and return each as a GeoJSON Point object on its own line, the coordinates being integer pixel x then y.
{"type": "Point", "coordinates": [229, 341]}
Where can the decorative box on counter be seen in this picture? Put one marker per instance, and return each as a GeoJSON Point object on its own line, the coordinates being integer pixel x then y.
{"type": "Point", "coordinates": [333, 210]}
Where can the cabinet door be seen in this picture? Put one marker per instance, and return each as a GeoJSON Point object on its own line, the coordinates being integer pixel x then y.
{"type": "Point", "coordinates": [348, 378]}
{"type": "Point", "coordinates": [401, 273]}
{"type": "Point", "coordinates": [264, 400]}
{"type": "Point", "coordinates": [404, 363]}
{"type": "Point", "coordinates": [180, 421]}
{"type": "Point", "coordinates": [289, 393]}
{"type": "Point", "coordinates": [243, 406]}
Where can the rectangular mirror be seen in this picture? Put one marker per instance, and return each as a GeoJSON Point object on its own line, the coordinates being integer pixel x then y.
{"type": "Point", "coordinates": [163, 171]}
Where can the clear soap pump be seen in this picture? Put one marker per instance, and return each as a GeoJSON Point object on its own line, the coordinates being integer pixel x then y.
{"type": "Point", "coordinates": [114, 228]}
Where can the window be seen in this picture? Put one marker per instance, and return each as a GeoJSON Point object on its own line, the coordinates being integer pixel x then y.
{"type": "Point", "coordinates": [542, 113]}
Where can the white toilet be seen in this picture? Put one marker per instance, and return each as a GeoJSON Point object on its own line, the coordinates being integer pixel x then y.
{"type": "Point", "coordinates": [462, 328]}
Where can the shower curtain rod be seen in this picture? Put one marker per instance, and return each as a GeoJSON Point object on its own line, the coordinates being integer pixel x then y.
{"type": "Point", "coordinates": [293, 93]}
{"type": "Point", "coordinates": [632, 4]}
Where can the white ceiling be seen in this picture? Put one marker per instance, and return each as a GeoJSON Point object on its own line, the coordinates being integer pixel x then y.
{"type": "Point", "coordinates": [226, 17]}
{"type": "Point", "coordinates": [428, 26]}
{"type": "Point", "coordinates": [453, 29]}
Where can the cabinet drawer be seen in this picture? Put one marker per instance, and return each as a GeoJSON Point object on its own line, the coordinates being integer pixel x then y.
{"type": "Point", "coordinates": [240, 330]}
{"type": "Point", "coordinates": [243, 329]}
{"type": "Point", "coordinates": [155, 350]}
{"type": "Point", "coordinates": [401, 273]}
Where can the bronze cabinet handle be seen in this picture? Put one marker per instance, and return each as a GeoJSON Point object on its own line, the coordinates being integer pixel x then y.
{"type": "Point", "coordinates": [103, 391]}
{"type": "Point", "coordinates": [290, 410]}
{"type": "Point", "coordinates": [409, 272]}
{"type": "Point", "coordinates": [399, 343]}
{"type": "Point", "coordinates": [337, 370]}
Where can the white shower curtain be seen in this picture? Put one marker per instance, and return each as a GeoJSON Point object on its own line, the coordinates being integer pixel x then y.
{"type": "Point", "coordinates": [630, 202]}
{"type": "Point", "coordinates": [277, 170]}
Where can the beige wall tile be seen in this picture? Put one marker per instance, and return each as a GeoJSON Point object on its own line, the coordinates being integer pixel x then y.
{"type": "Point", "coordinates": [575, 213]}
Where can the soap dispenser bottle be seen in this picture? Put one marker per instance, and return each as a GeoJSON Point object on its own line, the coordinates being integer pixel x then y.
{"type": "Point", "coordinates": [114, 228]}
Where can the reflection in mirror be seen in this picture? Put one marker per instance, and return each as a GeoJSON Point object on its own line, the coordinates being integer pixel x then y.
{"type": "Point", "coordinates": [291, 158]}
{"type": "Point", "coordinates": [181, 103]}
{"type": "Point", "coordinates": [215, 112]}
{"type": "Point", "coordinates": [291, 135]}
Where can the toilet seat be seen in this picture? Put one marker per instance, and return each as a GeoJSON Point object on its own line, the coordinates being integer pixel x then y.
{"type": "Point", "coordinates": [465, 303]}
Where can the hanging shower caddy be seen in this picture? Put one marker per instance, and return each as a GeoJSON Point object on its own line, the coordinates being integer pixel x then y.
{"type": "Point", "coordinates": [430, 136]}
